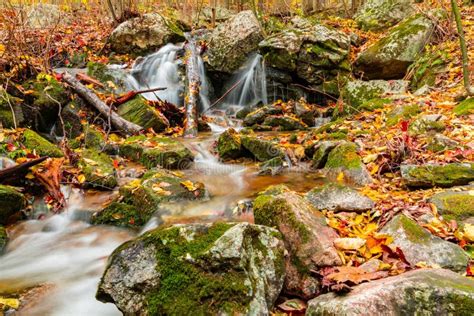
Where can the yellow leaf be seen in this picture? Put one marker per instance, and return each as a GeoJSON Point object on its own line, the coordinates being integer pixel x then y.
{"type": "Point", "coordinates": [2, 48]}
{"type": "Point", "coordinates": [81, 178]}
{"type": "Point", "coordinates": [30, 176]}
{"type": "Point", "coordinates": [189, 185]}
{"type": "Point", "coordinates": [469, 232]}
{"type": "Point", "coordinates": [340, 177]}
{"type": "Point", "coordinates": [10, 302]}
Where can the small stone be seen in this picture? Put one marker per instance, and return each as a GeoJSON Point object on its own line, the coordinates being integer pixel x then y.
{"type": "Point", "coordinates": [457, 205]}
{"type": "Point", "coordinates": [338, 198]}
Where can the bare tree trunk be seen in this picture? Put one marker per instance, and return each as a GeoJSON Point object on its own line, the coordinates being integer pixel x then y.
{"type": "Point", "coordinates": [193, 86]}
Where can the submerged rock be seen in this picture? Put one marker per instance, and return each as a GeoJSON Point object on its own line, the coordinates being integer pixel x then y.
{"type": "Point", "coordinates": [229, 145]}
{"type": "Point", "coordinates": [233, 41]}
{"type": "Point", "coordinates": [378, 15]}
{"type": "Point", "coordinates": [157, 151]}
{"type": "Point", "coordinates": [357, 92]}
{"type": "Point", "coordinates": [11, 201]}
{"type": "Point", "coordinates": [457, 205]}
{"type": "Point", "coordinates": [98, 169]}
{"type": "Point", "coordinates": [222, 268]}
{"type": "Point", "coordinates": [41, 146]}
{"type": "Point", "coordinates": [431, 175]}
{"type": "Point", "coordinates": [345, 159]}
{"type": "Point", "coordinates": [144, 34]}
{"type": "Point", "coordinates": [424, 291]}
{"type": "Point", "coordinates": [390, 57]}
{"type": "Point", "coordinates": [272, 167]}
{"type": "Point", "coordinates": [307, 237]}
{"type": "Point", "coordinates": [419, 245]}
{"type": "Point", "coordinates": [338, 198]}
{"type": "Point", "coordinates": [122, 215]}
{"type": "Point", "coordinates": [262, 150]}
{"type": "Point", "coordinates": [139, 112]}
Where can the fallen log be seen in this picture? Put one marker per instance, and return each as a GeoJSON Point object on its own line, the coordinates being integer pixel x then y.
{"type": "Point", "coordinates": [18, 171]}
{"type": "Point", "coordinates": [117, 121]}
{"type": "Point", "coordinates": [192, 89]}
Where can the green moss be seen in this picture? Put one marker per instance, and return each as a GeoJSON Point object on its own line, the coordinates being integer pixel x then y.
{"type": "Point", "coordinates": [122, 215]}
{"type": "Point", "coordinates": [402, 113]}
{"type": "Point", "coordinates": [374, 104]}
{"type": "Point", "coordinates": [33, 141]}
{"type": "Point", "coordinates": [47, 92]}
{"type": "Point", "coordinates": [344, 156]}
{"type": "Point", "coordinates": [139, 112]}
{"type": "Point", "coordinates": [229, 145]}
{"type": "Point", "coordinates": [414, 232]}
{"type": "Point", "coordinates": [98, 169]}
{"type": "Point", "coordinates": [93, 138]}
{"type": "Point", "coordinates": [186, 289]}
{"type": "Point", "coordinates": [443, 175]}
{"type": "Point", "coordinates": [262, 150]}
{"type": "Point", "coordinates": [466, 107]}
{"type": "Point", "coordinates": [3, 238]}
{"type": "Point", "coordinates": [455, 205]}
{"type": "Point", "coordinates": [426, 68]}
{"type": "Point", "coordinates": [11, 201]}
{"type": "Point", "coordinates": [100, 72]}
{"type": "Point", "coordinates": [337, 135]}
{"type": "Point", "coordinates": [7, 102]}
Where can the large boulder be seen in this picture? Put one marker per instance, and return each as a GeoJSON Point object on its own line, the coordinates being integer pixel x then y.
{"type": "Point", "coordinates": [419, 245]}
{"type": "Point", "coordinates": [34, 142]}
{"type": "Point", "coordinates": [430, 175]}
{"type": "Point", "coordinates": [261, 149]}
{"type": "Point", "coordinates": [390, 57]}
{"type": "Point", "coordinates": [378, 15]}
{"type": "Point", "coordinates": [231, 42]}
{"type": "Point", "coordinates": [138, 111]}
{"type": "Point", "coordinates": [229, 145]}
{"type": "Point", "coordinates": [11, 201]}
{"type": "Point", "coordinates": [157, 151]}
{"type": "Point", "coordinates": [418, 292]}
{"type": "Point", "coordinates": [356, 92]}
{"type": "Point", "coordinates": [455, 204]}
{"type": "Point", "coordinates": [316, 53]}
{"type": "Point", "coordinates": [338, 198]}
{"type": "Point", "coordinates": [307, 237]}
{"type": "Point", "coordinates": [144, 34]}
{"type": "Point", "coordinates": [199, 269]}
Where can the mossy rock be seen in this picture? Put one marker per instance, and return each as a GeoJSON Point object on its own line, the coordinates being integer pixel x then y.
{"type": "Point", "coordinates": [426, 69]}
{"type": "Point", "coordinates": [197, 269]}
{"type": "Point", "coordinates": [11, 202]}
{"type": "Point", "coordinates": [93, 138]}
{"type": "Point", "coordinates": [157, 151]}
{"type": "Point", "coordinates": [439, 143]}
{"type": "Point", "coordinates": [419, 245]}
{"type": "Point", "coordinates": [338, 198]}
{"type": "Point", "coordinates": [139, 112]}
{"type": "Point", "coordinates": [262, 150]}
{"type": "Point", "coordinates": [32, 141]}
{"type": "Point", "coordinates": [100, 72]}
{"type": "Point", "coordinates": [284, 123]}
{"type": "Point", "coordinates": [158, 186]}
{"type": "Point", "coordinates": [3, 239]}
{"type": "Point", "coordinates": [358, 92]}
{"type": "Point", "coordinates": [7, 117]}
{"type": "Point", "coordinates": [376, 15]}
{"type": "Point", "coordinates": [272, 167]}
{"type": "Point", "coordinates": [401, 113]}
{"type": "Point", "coordinates": [431, 175]}
{"type": "Point", "coordinates": [72, 120]}
{"type": "Point", "coordinates": [122, 215]}
{"type": "Point", "coordinates": [374, 104]}
{"type": "Point", "coordinates": [457, 205]}
{"type": "Point", "coordinates": [229, 145]}
{"type": "Point", "coordinates": [321, 153]}
{"type": "Point", "coordinates": [258, 116]}
{"type": "Point", "coordinates": [465, 107]}
{"type": "Point", "coordinates": [428, 123]}
{"type": "Point", "coordinates": [98, 169]}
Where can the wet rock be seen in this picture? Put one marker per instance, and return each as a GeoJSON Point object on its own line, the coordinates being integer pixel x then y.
{"type": "Point", "coordinates": [41, 146]}
{"type": "Point", "coordinates": [158, 186]}
{"type": "Point", "coordinates": [44, 15]}
{"type": "Point", "coordinates": [338, 198]}
{"type": "Point", "coordinates": [232, 41]}
{"type": "Point", "coordinates": [390, 57]}
{"type": "Point", "coordinates": [424, 291]}
{"type": "Point", "coordinates": [229, 145]}
{"type": "Point", "coordinates": [3, 239]}
{"type": "Point", "coordinates": [304, 112]}
{"type": "Point", "coordinates": [139, 112]}
{"type": "Point", "coordinates": [316, 53]}
{"type": "Point", "coordinates": [419, 245]}
{"type": "Point", "coordinates": [357, 92]}
{"type": "Point", "coordinates": [11, 201]}
{"type": "Point", "coordinates": [98, 169]}
{"type": "Point", "coordinates": [157, 151]}
{"type": "Point", "coordinates": [7, 118]}
{"type": "Point", "coordinates": [122, 215]}
{"type": "Point", "coordinates": [457, 205]}
{"type": "Point", "coordinates": [144, 34]}
{"type": "Point", "coordinates": [430, 175]}
{"type": "Point", "coordinates": [72, 120]}
{"type": "Point", "coordinates": [402, 113]}
{"type": "Point", "coordinates": [258, 116]}
{"type": "Point", "coordinates": [378, 15]}
{"type": "Point", "coordinates": [284, 123]}
{"type": "Point", "coordinates": [345, 159]}
{"type": "Point", "coordinates": [262, 150]}
{"type": "Point", "coordinates": [465, 107]}
{"type": "Point", "coordinates": [222, 268]}
{"type": "Point", "coordinates": [321, 153]}
{"type": "Point", "coordinates": [307, 237]}
{"type": "Point", "coordinates": [272, 167]}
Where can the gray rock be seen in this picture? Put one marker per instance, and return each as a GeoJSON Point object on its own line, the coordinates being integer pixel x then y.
{"type": "Point", "coordinates": [338, 198]}
{"type": "Point", "coordinates": [232, 41]}
{"type": "Point", "coordinates": [419, 245]}
{"type": "Point", "coordinates": [457, 205]}
{"type": "Point", "coordinates": [321, 153]}
{"type": "Point", "coordinates": [272, 167]}
{"type": "Point", "coordinates": [430, 175]}
{"type": "Point", "coordinates": [380, 14]}
{"type": "Point", "coordinates": [390, 57]}
{"type": "Point", "coordinates": [222, 268]}
{"type": "Point", "coordinates": [357, 92]}
{"type": "Point", "coordinates": [308, 239]}
{"type": "Point", "coordinates": [262, 150]}
{"type": "Point", "coordinates": [418, 292]}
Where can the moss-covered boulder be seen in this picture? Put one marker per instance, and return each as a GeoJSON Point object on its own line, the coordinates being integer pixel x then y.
{"type": "Point", "coordinates": [34, 142]}
{"type": "Point", "coordinates": [439, 143]}
{"type": "Point", "coordinates": [139, 112]}
{"type": "Point", "coordinates": [390, 57]}
{"type": "Point", "coordinates": [426, 69]}
{"type": "Point", "coordinates": [11, 201]}
{"type": "Point", "coordinates": [378, 15]}
{"type": "Point", "coordinates": [145, 34]}
{"type": "Point", "coordinates": [11, 112]}
{"type": "Point", "coordinates": [272, 167]}
{"type": "Point", "coordinates": [357, 92]}
{"type": "Point", "coordinates": [431, 175]}
{"type": "Point", "coordinates": [307, 237]}
{"type": "Point", "coordinates": [197, 269]}
{"type": "Point", "coordinates": [98, 169]}
{"type": "Point", "coordinates": [122, 215]}
{"type": "Point", "coordinates": [257, 116]}
{"type": "Point", "coordinates": [465, 107]}
{"type": "Point", "coordinates": [430, 123]}
{"type": "Point", "coordinates": [284, 122]}
{"type": "Point", "coordinates": [229, 145]}
{"type": "Point", "coordinates": [457, 205]}
{"type": "Point", "coordinates": [402, 113]}
{"type": "Point", "coordinates": [262, 150]}
{"type": "Point", "coordinates": [158, 186]}
{"type": "Point", "coordinates": [157, 151]}
{"type": "Point", "coordinates": [423, 291]}
{"type": "Point", "coordinates": [3, 239]}
{"type": "Point", "coordinates": [93, 138]}
{"type": "Point", "coordinates": [345, 159]}
{"type": "Point", "coordinates": [317, 53]}
{"type": "Point", "coordinates": [233, 41]}
{"type": "Point", "coordinates": [338, 198]}
{"type": "Point", "coordinates": [321, 153]}
{"type": "Point", "coordinates": [419, 245]}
